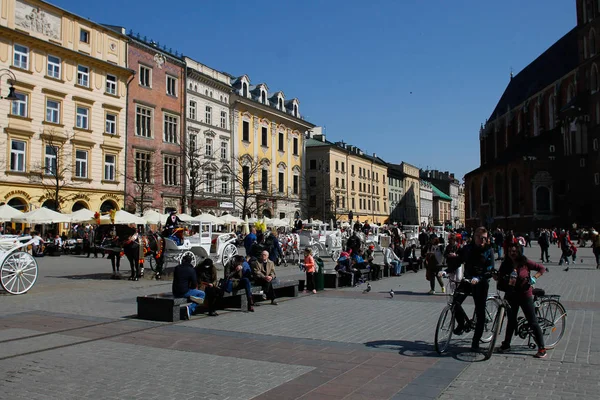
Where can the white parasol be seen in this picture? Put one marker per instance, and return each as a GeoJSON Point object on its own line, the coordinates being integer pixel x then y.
{"type": "Point", "coordinates": [7, 213]}
{"type": "Point", "coordinates": [83, 215]}
{"type": "Point", "coordinates": [230, 219]}
{"type": "Point", "coordinates": [208, 218]}
{"type": "Point", "coordinates": [42, 216]}
{"type": "Point", "coordinates": [153, 217]}
{"type": "Point", "coordinates": [122, 218]}
{"type": "Point", "coordinates": [186, 218]}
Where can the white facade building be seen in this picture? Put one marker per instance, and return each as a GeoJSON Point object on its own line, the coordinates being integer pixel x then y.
{"type": "Point", "coordinates": [209, 133]}
{"type": "Point", "coordinates": [426, 200]}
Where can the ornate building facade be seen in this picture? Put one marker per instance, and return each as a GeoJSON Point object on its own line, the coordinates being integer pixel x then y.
{"type": "Point", "coordinates": [342, 178]}
{"type": "Point", "coordinates": [156, 126]}
{"type": "Point", "coordinates": [539, 148]}
{"type": "Point", "coordinates": [268, 150]}
{"type": "Point", "coordinates": [64, 134]}
{"type": "Point", "coordinates": [409, 205]}
{"type": "Point", "coordinates": [208, 150]}
{"type": "Point", "coordinates": [426, 203]}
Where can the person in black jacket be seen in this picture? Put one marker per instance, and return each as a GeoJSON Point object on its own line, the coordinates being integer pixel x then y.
{"type": "Point", "coordinates": [185, 284]}
{"type": "Point", "coordinates": [206, 273]}
{"type": "Point", "coordinates": [478, 258]}
{"type": "Point", "coordinates": [172, 222]}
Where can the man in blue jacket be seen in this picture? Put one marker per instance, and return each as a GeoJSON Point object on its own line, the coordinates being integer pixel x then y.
{"type": "Point", "coordinates": [478, 258]}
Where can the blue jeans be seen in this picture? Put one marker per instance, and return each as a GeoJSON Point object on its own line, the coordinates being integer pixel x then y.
{"type": "Point", "coordinates": [195, 293]}
{"type": "Point", "coordinates": [397, 267]}
{"type": "Point", "coordinates": [500, 251]}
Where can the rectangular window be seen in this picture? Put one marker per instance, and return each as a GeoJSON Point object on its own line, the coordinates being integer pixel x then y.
{"type": "Point", "coordinates": [264, 180]}
{"type": "Point", "coordinates": [281, 139]}
{"type": "Point", "coordinates": [110, 167]}
{"type": "Point", "coordinates": [54, 64]}
{"type": "Point", "coordinates": [84, 36]}
{"type": "Point", "coordinates": [312, 164]}
{"type": "Point", "coordinates": [209, 147]}
{"type": "Point", "coordinates": [281, 182]}
{"type": "Point", "coordinates": [264, 137]}
{"type": "Point", "coordinates": [192, 110]}
{"type": "Point", "coordinates": [193, 142]}
{"type": "Point", "coordinates": [343, 183]}
{"type": "Point", "coordinates": [312, 181]}
{"type": "Point", "coordinates": [82, 120]}
{"type": "Point", "coordinates": [171, 86]}
{"type": "Point", "coordinates": [19, 106]}
{"type": "Point", "coordinates": [111, 124]}
{"type": "Point", "coordinates": [21, 57]}
{"type": "Point", "coordinates": [111, 84]}
{"type": "Point", "coordinates": [224, 185]}
{"type": "Point", "coordinates": [597, 178]}
{"type": "Point", "coordinates": [170, 130]}
{"type": "Point", "coordinates": [83, 76]}
{"type": "Point", "coordinates": [143, 167]}
{"type": "Point", "coordinates": [170, 176]}
{"type": "Point", "coordinates": [50, 160]}
{"type": "Point", "coordinates": [210, 182]}
{"type": "Point", "coordinates": [353, 204]}
{"type": "Point", "coordinates": [352, 185]}
{"type": "Point", "coordinates": [81, 163]}
{"type": "Point", "coordinates": [17, 155]}
{"type": "Point", "coordinates": [296, 184]}
{"type": "Point", "coordinates": [246, 131]}
{"type": "Point", "coordinates": [343, 167]}
{"type": "Point", "coordinates": [145, 76]}
{"type": "Point", "coordinates": [295, 148]}
{"type": "Point", "coordinates": [337, 201]}
{"type": "Point", "coordinates": [337, 182]}
{"type": "Point", "coordinates": [337, 165]}
{"type": "Point", "coordinates": [143, 121]}
{"type": "Point", "coordinates": [208, 115]}
{"type": "Point", "coordinates": [53, 111]}
{"type": "Point", "coordinates": [352, 168]}
{"type": "Point", "coordinates": [223, 119]}
{"type": "Point", "coordinates": [245, 177]}
{"type": "Point", "coordinates": [223, 150]}
{"type": "Point", "coordinates": [343, 202]}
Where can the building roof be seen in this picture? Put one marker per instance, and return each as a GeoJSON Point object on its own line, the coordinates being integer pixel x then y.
{"type": "Point", "coordinates": [438, 193]}
{"type": "Point", "coordinates": [310, 142]}
{"type": "Point", "coordinates": [557, 61]}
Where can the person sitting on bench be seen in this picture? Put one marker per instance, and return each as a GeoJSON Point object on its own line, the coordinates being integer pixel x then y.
{"type": "Point", "coordinates": [185, 284]}
{"type": "Point", "coordinates": [240, 273]}
{"type": "Point", "coordinates": [206, 272]}
{"type": "Point", "coordinates": [264, 273]}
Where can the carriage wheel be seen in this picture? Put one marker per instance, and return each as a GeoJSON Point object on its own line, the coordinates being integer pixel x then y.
{"type": "Point", "coordinates": [18, 272]}
{"type": "Point", "coordinates": [151, 262]}
{"type": "Point", "coordinates": [229, 252]}
{"type": "Point", "coordinates": [187, 253]}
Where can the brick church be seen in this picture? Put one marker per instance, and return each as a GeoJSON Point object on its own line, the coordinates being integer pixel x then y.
{"type": "Point", "coordinates": [539, 154]}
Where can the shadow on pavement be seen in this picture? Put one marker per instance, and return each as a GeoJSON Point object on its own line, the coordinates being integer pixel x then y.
{"type": "Point", "coordinates": [405, 347]}
{"type": "Point", "coordinates": [99, 276]}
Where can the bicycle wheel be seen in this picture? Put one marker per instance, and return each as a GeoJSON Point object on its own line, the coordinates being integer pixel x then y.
{"type": "Point", "coordinates": [443, 330]}
{"type": "Point", "coordinates": [497, 326]}
{"type": "Point", "coordinates": [491, 309]}
{"type": "Point", "coordinates": [552, 318]}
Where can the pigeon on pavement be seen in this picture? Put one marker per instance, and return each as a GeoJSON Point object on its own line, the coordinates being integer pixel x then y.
{"type": "Point", "coordinates": [566, 269]}
{"type": "Point", "coordinates": [392, 293]}
{"type": "Point", "coordinates": [368, 289]}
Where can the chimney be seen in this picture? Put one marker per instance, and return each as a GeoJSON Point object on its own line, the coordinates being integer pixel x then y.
{"type": "Point", "coordinates": [374, 155]}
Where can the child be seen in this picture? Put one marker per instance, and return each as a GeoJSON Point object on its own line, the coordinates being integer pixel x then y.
{"type": "Point", "coordinates": [310, 268]}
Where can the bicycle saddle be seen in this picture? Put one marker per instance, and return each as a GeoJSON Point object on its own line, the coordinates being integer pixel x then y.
{"type": "Point", "coordinates": [538, 292]}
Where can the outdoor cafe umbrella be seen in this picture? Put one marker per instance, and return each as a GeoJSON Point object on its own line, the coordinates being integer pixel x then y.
{"type": "Point", "coordinates": [83, 215]}
{"type": "Point", "coordinates": [245, 226]}
{"type": "Point", "coordinates": [153, 217]}
{"type": "Point", "coordinates": [186, 217]}
{"type": "Point", "coordinates": [231, 219]}
{"type": "Point", "coordinates": [42, 216]}
{"type": "Point", "coordinates": [208, 218]}
{"type": "Point", "coordinates": [7, 213]}
{"type": "Point", "coordinates": [122, 218]}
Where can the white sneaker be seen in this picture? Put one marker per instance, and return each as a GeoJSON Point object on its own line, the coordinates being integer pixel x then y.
{"type": "Point", "coordinates": [432, 292]}
{"type": "Point", "coordinates": [197, 300]}
{"type": "Point", "coordinates": [188, 313]}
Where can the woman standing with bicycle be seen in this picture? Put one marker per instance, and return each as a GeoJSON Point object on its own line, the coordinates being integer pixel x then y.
{"type": "Point", "coordinates": [514, 278]}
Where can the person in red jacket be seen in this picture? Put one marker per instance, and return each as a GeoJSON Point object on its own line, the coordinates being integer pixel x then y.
{"type": "Point", "coordinates": [519, 293]}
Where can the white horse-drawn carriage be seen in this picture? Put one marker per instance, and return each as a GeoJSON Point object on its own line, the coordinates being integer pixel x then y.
{"type": "Point", "coordinates": [18, 268]}
{"type": "Point", "coordinates": [322, 241]}
{"type": "Point", "coordinates": [220, 247]}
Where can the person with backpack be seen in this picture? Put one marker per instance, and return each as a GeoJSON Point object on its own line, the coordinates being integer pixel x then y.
{"type": "Point", "coordinates": [433, 265]}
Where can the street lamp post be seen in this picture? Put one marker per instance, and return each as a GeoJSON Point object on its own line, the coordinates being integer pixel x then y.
{"type": "Point", "coordinates": [11, 89]}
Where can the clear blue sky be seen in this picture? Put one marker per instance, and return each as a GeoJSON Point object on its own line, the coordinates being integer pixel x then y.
{"type": "Point", "coordinates": [353, 64]}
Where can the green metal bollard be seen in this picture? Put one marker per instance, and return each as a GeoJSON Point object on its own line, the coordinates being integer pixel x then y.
{"type": "Point", "coordinates": [320, 278]}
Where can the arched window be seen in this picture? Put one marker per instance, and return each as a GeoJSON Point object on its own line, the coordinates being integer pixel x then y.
{"type": "Point", "coordinates": [551, 108]}
{"type": "Point", "coordinates": [592, 43]}
{"type": "Point", "coordinates": [79, 205]}
{"type": "Point", "coordinates": [50, 204]}
{"type": "Point", "coordinates": [485, 195]}
{"type": "Point", "coordinates": [18, 203]}
{"type": "Point", "coordinates": [519, 122]}
{"type": "Point", "coordinates": [542, 199]}
{"type": "Point", "coordinates": [244, 89]}
{"type": "Point", "coordinates": [514, 192]}
{"type": "Point", "coordinates": [498, 195]}
{"type": "Point", "coordinates": [594, 79]}
{"type": "Point", "coordinates": [295, 110]}
{"type": "Point", "coordinates": [107, 206]}
{"type": "Point", "coordinates": [536, 120]}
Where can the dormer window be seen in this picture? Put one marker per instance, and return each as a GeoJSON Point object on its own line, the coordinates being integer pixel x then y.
{"type": "Point", "coordinates": [280, 104]}
{"type": "Point", "coordinates": [244, 89]}
{"type": "Point", "coordinates": [295, 110]}
{"type": "Point", "coordinates": [263, 97]}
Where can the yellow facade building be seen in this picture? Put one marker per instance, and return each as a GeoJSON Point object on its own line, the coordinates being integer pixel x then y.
{"type": "Point", "coordinates": [66, 127]}
{"type": "Point", "coordinates": [342, 178]}
{"type": "Point", "coordinates": [268, 150]}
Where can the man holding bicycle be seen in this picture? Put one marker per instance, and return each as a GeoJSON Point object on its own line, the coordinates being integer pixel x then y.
{"type": "Point", "coordinates": [478, 258]}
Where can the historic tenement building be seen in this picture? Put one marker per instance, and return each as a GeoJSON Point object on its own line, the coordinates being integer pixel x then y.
{"type": "Point", "coordinates": [63, 133]}
{"type": "Point", "coordinates": [343, 178]}
{"type": "Point", "coordinates": [207, 154]}
{"type": "Point", "coordinates": [155, 129]}
{"type": "Point", "coordinates": [449, 185]}
{"type": "Point", "coordinates": [539, 149]}
{"type": "Point", "coordinates": [408, 208]}
{"type": "Point", "coordinates": [426, 203]}
{"type": "Point", "coordinates": [268, 150]}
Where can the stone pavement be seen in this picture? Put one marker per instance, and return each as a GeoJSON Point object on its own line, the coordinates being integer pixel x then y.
{"type": "Point", "coordinates": [73, 336]}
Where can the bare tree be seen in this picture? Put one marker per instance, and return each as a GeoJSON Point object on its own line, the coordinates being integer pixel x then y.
{"type": "Point", "coordinates": [145, 171]}
{"type": "Point", "coordinates": [244, 177]}
{"type": "Point", "coordinates": [56, 167]}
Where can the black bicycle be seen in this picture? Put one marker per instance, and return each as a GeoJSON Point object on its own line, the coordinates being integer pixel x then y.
{"type": "Point", "coordinates": [446, 322]}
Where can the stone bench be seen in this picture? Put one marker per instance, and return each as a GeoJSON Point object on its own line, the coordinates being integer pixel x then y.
{"type": "Point", "coordinates": [237, 298]}
{"type": "Point", "coordinates": [160, 307]}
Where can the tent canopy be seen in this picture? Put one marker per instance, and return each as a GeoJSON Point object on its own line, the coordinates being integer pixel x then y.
{"type": "Point", "coordinates": [7, 213]}
{"type": "Point", "coordinates": [42, 216]}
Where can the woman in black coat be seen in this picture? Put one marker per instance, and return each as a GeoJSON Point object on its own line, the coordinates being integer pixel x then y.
{"type": "Point", "coordinates": [206, 272]}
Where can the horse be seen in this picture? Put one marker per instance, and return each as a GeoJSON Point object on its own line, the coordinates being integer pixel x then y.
{"type": "Point", "coordinates": [128, 240]}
